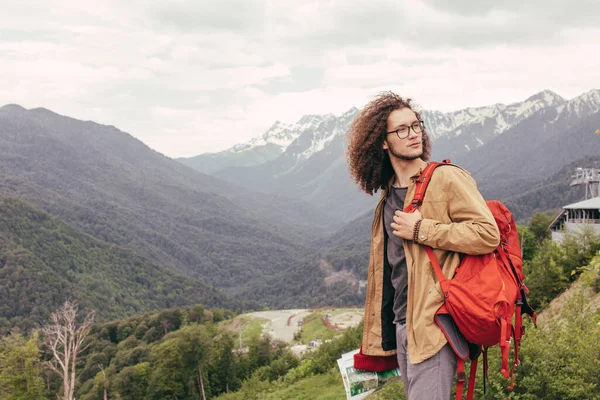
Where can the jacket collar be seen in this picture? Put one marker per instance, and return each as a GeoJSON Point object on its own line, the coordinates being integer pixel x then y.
{"type": "Point", "coordinates": [412, 179]}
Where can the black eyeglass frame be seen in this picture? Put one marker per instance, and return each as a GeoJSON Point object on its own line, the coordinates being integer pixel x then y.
{"type": "Point", "coordinates": [420, 124]}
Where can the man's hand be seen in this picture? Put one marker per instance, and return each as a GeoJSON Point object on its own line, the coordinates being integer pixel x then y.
{"type": "Point", "coordinates": [404, 223]}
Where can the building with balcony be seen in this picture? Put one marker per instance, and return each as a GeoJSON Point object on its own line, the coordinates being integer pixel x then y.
{"type": "Point", "coordinates": [576, 216]}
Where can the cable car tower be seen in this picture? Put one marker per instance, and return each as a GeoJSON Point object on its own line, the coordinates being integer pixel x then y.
{"type": "Point", "coordinates": [590, 177]}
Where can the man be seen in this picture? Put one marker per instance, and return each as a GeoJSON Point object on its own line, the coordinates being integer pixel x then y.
{"type": "Point", "coordinates": [388, 149]}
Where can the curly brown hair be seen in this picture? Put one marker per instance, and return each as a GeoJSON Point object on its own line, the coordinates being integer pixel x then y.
{"type": "Point", "coordinates": [369, 163]}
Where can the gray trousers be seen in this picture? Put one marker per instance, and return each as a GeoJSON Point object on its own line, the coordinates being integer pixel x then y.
{"type": "Point", "coordinates": [430, 380]}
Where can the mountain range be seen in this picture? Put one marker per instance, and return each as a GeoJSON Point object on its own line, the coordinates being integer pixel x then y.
{"type": "Point", "coordinates": [310, 167]}
{"type": "Point", "coordinates": [508, 149]}
{"type": "Point", "coordinates": [110, 185]}
{"type": "Point", "coordinates": [273, 222]}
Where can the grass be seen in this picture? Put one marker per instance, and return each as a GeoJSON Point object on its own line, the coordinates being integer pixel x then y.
{"type": "Point", "coordinates": [319, 387]}
{"type": "Point", "coordinates": [391, 391]}
{"type": "Point", "coordinates": [313, 328]}
{"type": "Point", "coordinates": [327, 386]}
{"type": "Point", "coordinates": [338, 311]}
{"type": "Point", "coordinates": [252, 328]}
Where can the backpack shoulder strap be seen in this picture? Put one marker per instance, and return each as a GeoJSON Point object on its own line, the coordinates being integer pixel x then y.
{"type": "Point", "coordinates": [422, 183]}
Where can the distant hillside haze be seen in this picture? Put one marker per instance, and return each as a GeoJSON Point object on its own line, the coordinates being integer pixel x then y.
{"type": "Point", "coordinates": [458, 133]}
{"type": "Point", "coordinates": [313, 167]}
{"type": "Point", "coordinates": [260, 149]}
{"type": "Point", "coordinates": [528, 153]}
{"type": "Point", "coordinates": [110, 185]}
{"type": "Point", "coordinates": [547, 196]}
{"type": "Point", "coordinates": [257, 151]}
{"type": "Point", "coordinates": [553, 193]}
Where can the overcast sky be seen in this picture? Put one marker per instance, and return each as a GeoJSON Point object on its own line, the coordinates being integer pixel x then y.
{"type": "Point", "coordinates": [191, 76]}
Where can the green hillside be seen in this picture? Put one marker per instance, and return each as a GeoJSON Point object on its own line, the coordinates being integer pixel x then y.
{"type": "Point", "coordinates": [110, 185]}
{"type": "Point", "coordinates": [560, 358]}
{"type": "Point", "coordinates": [44, 261]}
{"type": "Point", "coordinates": [163, 355]}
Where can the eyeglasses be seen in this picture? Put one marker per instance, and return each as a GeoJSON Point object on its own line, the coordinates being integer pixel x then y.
{"type": "Point", "coordinates": [404, 130]}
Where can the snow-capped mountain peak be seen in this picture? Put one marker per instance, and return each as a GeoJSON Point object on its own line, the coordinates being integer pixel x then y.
{"type": "Point", "coordinates": [546, 96]}
{"type": "Point", "coordinates": [500, 116]}
{"type": "Point", "coordinates": [280, 134]}
{"type": "Point", "coordinates": [453, 132]}
{"type": "Point", "coordinates": [308, 122]}
{"type": "Point", "coordinates": [516, 112]}
{"type": "Point", "coordinates": [588, 102]}
{"type": "Point", "coordinates": [312, 133]}
{"type": "Point", "coordinates": [315, 132]}
{"type": "Point", "coordinates": [351, 113]}
{"type": "Point", "coordinates": [318, 131]}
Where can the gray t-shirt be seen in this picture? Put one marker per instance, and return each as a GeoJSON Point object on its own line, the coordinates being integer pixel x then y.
{"type": "Point", "coordinates": [395, 253]}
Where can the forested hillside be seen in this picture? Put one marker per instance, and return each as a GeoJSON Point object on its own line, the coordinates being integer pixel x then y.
{"type": "Point", "coordinates": [304, 285]}
{"type": "Point", "coordinates": [43, 261]}
{"type": "Point", "coordinates": [183, 352]}
{"type": "Point", "coordinates": [264, 250]}
{"type": "Point", "coordinates": [109, 185]}
{"type": "Point", "coordinates": [123, 231]}
{"type": "Point", "coordinates": [560, 358]}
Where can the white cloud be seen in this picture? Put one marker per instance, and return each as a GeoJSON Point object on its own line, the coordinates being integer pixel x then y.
{"type": "Point", "coordinates": [188, 77]}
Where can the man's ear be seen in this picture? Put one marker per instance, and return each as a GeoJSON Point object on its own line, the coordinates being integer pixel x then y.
{"type": "Point", "coordinates": [385, 145]}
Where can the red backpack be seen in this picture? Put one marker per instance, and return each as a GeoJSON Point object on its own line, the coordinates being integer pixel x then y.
{"type": "Point", "coordinates": [482, 297]}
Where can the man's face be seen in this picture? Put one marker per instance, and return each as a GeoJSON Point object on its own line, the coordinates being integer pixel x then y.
{"type": "Point", "coordinates": [409, 148]}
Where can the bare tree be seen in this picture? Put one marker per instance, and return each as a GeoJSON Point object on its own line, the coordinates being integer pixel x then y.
{"type": "Point", "coordinates": [64, 339]}
{"type": "Point", "coordinates": [201, 381]}
{"type": "Point", "coordinates": [103, 379]}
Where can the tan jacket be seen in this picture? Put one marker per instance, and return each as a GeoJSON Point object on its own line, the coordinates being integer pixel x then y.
{"type": "Point", "coordinates": [456, 220]}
